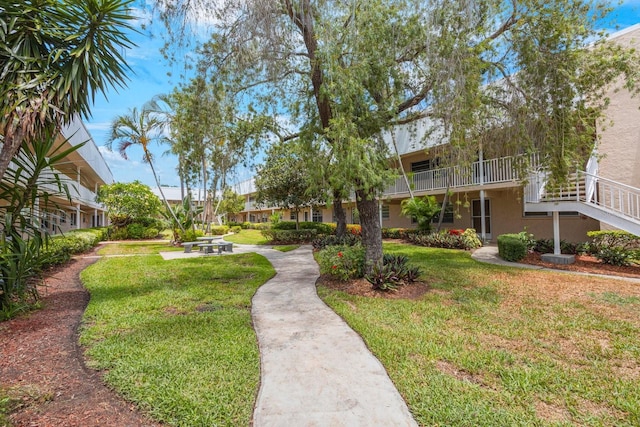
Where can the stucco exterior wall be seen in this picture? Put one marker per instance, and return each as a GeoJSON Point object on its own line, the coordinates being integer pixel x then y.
{"type": "Point", "coordinates": [620, 141]}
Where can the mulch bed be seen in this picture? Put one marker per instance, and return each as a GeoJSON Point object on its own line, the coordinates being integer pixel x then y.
{"type": "Point", "coordinates": [42, 365]}
{"type": "Point", "coordinates": [586, 264]}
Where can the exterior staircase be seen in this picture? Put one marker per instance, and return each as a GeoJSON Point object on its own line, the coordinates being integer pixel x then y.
{"type": "Point", "coordinates": [600, 198]}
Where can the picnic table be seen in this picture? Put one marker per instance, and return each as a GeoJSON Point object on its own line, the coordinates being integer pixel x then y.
{"type": "Point", "coordinates": [208, 239]}
{"type": "Point", "coordinates": [188, 245]}
{"type": "Point", "coordinates": [221, 246]}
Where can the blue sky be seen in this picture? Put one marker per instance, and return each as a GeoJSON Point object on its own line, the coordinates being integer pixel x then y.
{"type": "Point", "coordinates": [152, 75]}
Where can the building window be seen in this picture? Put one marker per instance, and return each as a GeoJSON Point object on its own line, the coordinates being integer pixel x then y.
{"type": "Point", "coordinates": [74, 218]}
{"type": "Point", "coordinates": [476, 217]}
{"type": "Point", "coordinates": [316, 216]}
{"type": "Point", "coordinates": [63, 217]}
{"type": "Point", "coordinates": [447, 217]}
{"type": "Point", "coordinates": [252, 218]}
{"type": "Point", "coordinates": [425, 165]}
{"type": "Point", "coordinates": [546, 214]}
{"type": "Point", "coordinates": [385, 212]}
{"type": "Point", "coordinates": [293, 216]}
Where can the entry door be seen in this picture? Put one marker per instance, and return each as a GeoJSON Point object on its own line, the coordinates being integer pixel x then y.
{"type": "Point", "coordinates": [476, 217]}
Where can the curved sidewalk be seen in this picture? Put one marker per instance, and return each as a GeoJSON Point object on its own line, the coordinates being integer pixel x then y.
{"type": "Point", "coordinates": [316, 371]}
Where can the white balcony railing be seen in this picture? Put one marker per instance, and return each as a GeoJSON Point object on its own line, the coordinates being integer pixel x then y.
{"type": "Point", "coordinates": [492, 171]}
{"type": "Point", "coordinates": [76, 133]}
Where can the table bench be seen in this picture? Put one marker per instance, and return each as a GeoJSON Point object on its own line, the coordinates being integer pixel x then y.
{"type": "Point", "coordinates": [207, 248]}
{"type": "Point", "coordinates": [188, 245]}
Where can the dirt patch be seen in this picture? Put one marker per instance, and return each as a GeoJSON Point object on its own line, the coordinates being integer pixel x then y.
{"type": "Point", "coordinates": [42, 366]}
{"type": "Point", "coordinates": [363, 288]}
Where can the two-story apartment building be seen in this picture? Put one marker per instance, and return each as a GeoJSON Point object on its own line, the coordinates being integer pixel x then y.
{"type": "Point", "coordinates": [488, 194]}
{"type": "Point", "coordinates": [84, 171]}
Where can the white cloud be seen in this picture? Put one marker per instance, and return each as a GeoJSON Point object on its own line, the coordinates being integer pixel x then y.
{"type": "Point", "coordinates": [98, 126]}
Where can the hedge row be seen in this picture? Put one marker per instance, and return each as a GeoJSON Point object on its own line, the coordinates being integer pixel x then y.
{"type": "Point", "coordinates": [60, 248]}
{"type": "Point", "coordinates": [289, 236]}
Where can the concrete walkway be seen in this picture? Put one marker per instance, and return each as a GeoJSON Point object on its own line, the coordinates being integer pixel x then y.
{"type": "Point", "coordinates": [316, 371]}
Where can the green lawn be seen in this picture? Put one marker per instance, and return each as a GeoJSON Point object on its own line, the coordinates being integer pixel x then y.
{"type": "Point", "coordinates": [495, 346]}
{"type": "Point", "coordinates": [175, 337]}
{"type": "Point", "coordinates": [133, 247]}
{"type": "Point", "coordinates": [247, 237]}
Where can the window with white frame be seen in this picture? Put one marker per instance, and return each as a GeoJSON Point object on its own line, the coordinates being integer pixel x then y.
{"type": "Point", "coordinates": [316, 215]}
{"type": "Point", "coordinates": [385, 212]}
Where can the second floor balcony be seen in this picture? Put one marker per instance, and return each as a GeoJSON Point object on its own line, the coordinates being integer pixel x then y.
{"type": "Point", "coordinates": [505, 171]}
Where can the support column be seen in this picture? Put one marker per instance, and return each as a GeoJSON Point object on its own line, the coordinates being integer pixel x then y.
{"type": "Point", "coordinates": [78, 216]}
{"type": "Point", "coordinates": [483, 223]}
{"type": "Point", "coordinates": [556, 233]}
{"type": "Point", "coordinates": [556, 257]}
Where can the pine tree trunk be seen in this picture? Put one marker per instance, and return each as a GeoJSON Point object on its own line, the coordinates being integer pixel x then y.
{"type": "Point", "coordinates": [340, 214]}
{"type": "Point", "coordinates": [371, 232]}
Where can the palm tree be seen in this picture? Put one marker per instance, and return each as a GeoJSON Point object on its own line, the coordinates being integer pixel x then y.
{"type": "Point", "coordinates": [140, 128]}
{"type": "Point", "coordinates": [54, 57]}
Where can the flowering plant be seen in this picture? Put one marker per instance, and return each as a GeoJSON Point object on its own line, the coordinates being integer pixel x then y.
{"type": "Point", "coordinates": [343, 262]}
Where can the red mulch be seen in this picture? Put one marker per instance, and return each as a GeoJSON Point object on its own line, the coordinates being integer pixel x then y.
{"type": "Point", "coordinates": [586, 264]}
{"type": "Point", "coordinates": [42, 364]}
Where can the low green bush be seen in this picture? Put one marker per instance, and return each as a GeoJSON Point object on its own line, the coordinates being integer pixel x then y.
{"type": "Point", "coordinates": [333, 240]}
{"type": "Point", "coordinates": [236, 229]}
{"type": "Point", "coordinates": [470, 239]}
{"type": "Point", "coordinates": [394, 233]}
{"type": "Point", "coordinates": [511, 247]}
{"type": "Point", "coordinates": [393, 272]}
{"type": "Point", "coordinates": [59, 248]}
{"type": "Point", "coordinates": [191, 235]}
{"type": "Point", "coordinates": [135, 231]}
{"type": "Point", "coordinates": [151, 233]}
{"type": "Point", "coordinates": [545, 246]}
{"type": "Point", "coordinates": [284, 225]}
{"type": "Point", "coordinates": [467, 240]}
{"type": "Point", "coordinates": [219, 230]}
{"type": "Point", "coordinates": [343, 262]}
{"type": "Point", "coordinates": [289, 236]}
{"type": "Point", "coordinates": [614, 247]}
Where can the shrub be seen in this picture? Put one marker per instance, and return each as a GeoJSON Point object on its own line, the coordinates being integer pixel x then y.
{"type": "Point", "coordinates": [135, 231]}
{"type": "Point", "coordinates": [236, 229]}
{"type": "Point", "coordinates": [343, 262]}
{"type": "Point", "coordinates": [284, 225]}
{"type": "Point", "coordinates": [393, 272]}
{"type": "Point", "coordinates": [151, 233]}
{"type": "Point", "coordinates": [289, 236]}
{"type": "Point", "coordinates": [470, 239]}
{"type": "Point", "coordinates": [190, 235]}
{"type": "Point", "coordinates": [614, 247]}
{"type": "Point", "coordinates": [395, 233]}
{"type": "Point", "coordinates": [615, 256]}
{"type": "Point", "coordinates": [544, 246]}
{"type": "Point", "coordinates": [219, 230]}
{"type": "Point", "coordinates": [355, 229]}
{"type": "Point", "coordinates": [511, 247]}
{"type": "Point", "coordinates": [320, 227]}
{"type": "Point", "coordinates": [333, 240]}
{"type": "Point", "coordinates": [438, 240]}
